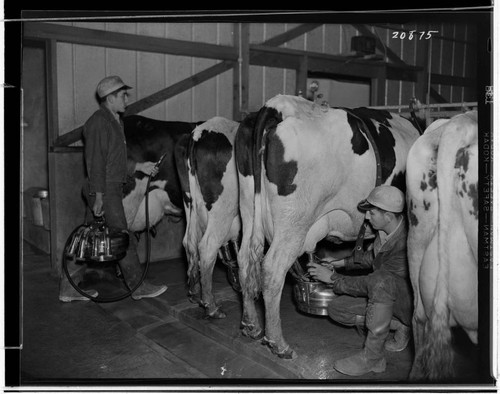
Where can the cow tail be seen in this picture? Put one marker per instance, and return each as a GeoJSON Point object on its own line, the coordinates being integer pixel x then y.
{"type": "Point", "coordinates": [267, 119]}
{"type": "Point", "coordinates": [183, 154]}
{"type": "Point", "coordinates": [438, 352]}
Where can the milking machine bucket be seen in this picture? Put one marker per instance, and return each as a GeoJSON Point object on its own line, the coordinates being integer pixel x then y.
{"type": "Point", "coordinates": [310, 295]}
{"type": "Point", "coordinates": [97, 242]}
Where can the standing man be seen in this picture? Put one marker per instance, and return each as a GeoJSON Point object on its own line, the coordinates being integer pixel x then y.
{"type": "Point", "coordinates": [107, 169]}
{"type": "Point", "coordinates": [382, 300]}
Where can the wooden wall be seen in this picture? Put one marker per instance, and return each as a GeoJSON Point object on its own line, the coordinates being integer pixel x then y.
{"type": "Point", "coordinates": [451, 52]}
{"type": "Point", "coordinates": [80, 67]}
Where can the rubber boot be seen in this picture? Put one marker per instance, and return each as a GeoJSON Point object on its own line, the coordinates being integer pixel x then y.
{"type": "Point", "coordinates": [399, 341]}
{"type": "Point", "coordinates": [132, 273]}
{"type": "Point", "coordinates": [371, 358]}
{"type": "Point", "coordinates": [360, 325]}
{"type": "Point", "coordinates": [67, 292]}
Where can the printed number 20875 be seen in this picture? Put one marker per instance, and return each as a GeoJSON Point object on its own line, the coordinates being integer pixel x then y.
{"type": "Point", "coordinates": [420, 35]}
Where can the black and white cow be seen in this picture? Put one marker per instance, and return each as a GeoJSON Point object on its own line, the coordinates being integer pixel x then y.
{"type": "Point", "coordinates": [147, 140]}
{"type": "Point", "coordinates": [311, 165]}
{"type": "Point", "coordinates": [207, 170]}
{"type": "Point", "coordinates": [442, 199]}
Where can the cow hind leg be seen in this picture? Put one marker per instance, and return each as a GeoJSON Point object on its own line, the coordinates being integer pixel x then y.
{"type": "Point", "coordinates": [275, 266]}
{"type": "Point", "coordinates": [417, 370]}
{"type": "Point", "coordinates": [249, 276]}
{"type": "Point", "coordinates": [208, 250]}
{"type": "Point", "coordinates": [193, 274]}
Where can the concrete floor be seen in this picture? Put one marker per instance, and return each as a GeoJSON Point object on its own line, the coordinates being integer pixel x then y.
{"type": "Point", "coordinates": [166, 340]}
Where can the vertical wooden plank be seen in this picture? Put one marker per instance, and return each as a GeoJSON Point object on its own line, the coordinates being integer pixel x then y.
{"type": "Point", "coordinates": [273, 77]}
{"type": "Point", "coordinates": [447, 58]}
{"type": "Point", "coordinates": [393, 87]}
{"type": "Point", "coordinates": [151, 71]}
{"type": "Point", "coordinates": [422, 59]}
{"type": "Point", "coordinates": [65, 88]}
{"type": "Point", "coordinates": [435, 53]}
{"type": "Point", "coordinates": [122, 62]}
{"type": "Point", "coordinates": [314, 40]}
{"type": "Point", "coordinates": [333, 37]}
{"type": "Point", "coordinates": [298, 42]}
{"type": "Point", "coordinates": [382, 35]}
{"type": "Point", "coordinates": [241, 72]}
{"type": "Point", "coordinates": [408, 56]}
{"type": "Point", "coordinates": [378, 89]}
{"type": "Point", "coordinates": [301, 78]}
{"type": "Point", "coordinates": [458, 60]}
{"type": "Point", "coordinates": [51, 67]}
{"type": "Point", "coordinates": [291, 86]}
{"type": "Point", "coordinates": [87, 76]}
{"type": "Point", "coordinates": [256, 91]}
{"type": "Point", "coordinates": [470, 93]}
{"type": "Point", "coordinates": [225, 80]}
{"type": "Point", "coordinates": [178, 68]}
{"type": "Point", "coordinates": [205, 94]}
{"type": "Point", "coordinates": [348, 31]}
{"type": "Point", "coordinates": [237, 94]}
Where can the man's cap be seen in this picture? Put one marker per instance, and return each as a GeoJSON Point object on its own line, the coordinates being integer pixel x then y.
{"type": "Point", "coordinates": [388, 198]}
{"type": "Point", "coordinates": [109, 85]}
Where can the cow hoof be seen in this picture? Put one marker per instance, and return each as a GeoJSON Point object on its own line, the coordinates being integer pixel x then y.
{"type": "Point", "coordinates": [217, 314]}
{"type": "Point", "coordinates": [195, 299]}
{"type": "Point", "coordinates": [252, 333]}
{"type": "Point", "coordinates": [288, 354]}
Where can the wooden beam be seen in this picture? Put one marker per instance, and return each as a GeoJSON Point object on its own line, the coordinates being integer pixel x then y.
{"type": "Point", "coordinates": [436, 96]}
{"type": "Point", "coordinates": [272, 57]}
{"type": "Point", "coordinates": [133, 42]}
{"type": "Point", "coordinates": [178, 87]}
{"type": "Point", "coordinates": [409, 73]}
{"type": "Point", "coordinates": [289, 35]}
{"type": "Point", "coordinates": [450, 80]}
{"type": "Point", "coordinates": [390, 54]}
{"type": "Point", "coordinates": [68, 138]}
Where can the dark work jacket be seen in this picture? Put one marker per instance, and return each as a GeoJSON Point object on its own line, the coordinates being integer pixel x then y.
{"type": "Point", "coordinates": [105, 150]}
{"type": "Point", "coordinates": [392, 256]}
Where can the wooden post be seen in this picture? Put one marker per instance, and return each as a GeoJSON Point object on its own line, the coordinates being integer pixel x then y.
{"type": "Point", "coordinates": [53, 131]}
{"type": "Point", "coordinates": [377, 91]}
{"type": "Point", "coordinates": [241, 73]}
{"type": "Point", "coordinates": [301, 77]}
{"type": "Point", "coordinates": [422, 60]}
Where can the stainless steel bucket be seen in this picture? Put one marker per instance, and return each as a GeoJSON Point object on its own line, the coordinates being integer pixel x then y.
{"type": "Point", "coordinates": [313, 297]}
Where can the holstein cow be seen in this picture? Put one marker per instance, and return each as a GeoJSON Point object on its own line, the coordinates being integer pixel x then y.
{"type": "Point", "coordinates": [312, 165]}
{"type": "Point", "coordinates": [148, 140]}
{"type": "Point", "coordinates": [207, 170]}
{"type": "Point", "coordinates": [442, 199]}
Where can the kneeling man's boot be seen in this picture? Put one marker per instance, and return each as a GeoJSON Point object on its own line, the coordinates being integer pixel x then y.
{"type": "Point", "coordinates": [371, 358]}
{"type": "Point", "coordinates": [402, 335]}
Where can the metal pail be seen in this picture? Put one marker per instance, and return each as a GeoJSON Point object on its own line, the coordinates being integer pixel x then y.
{"type": "Point", "coordinates": [313, 297]}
